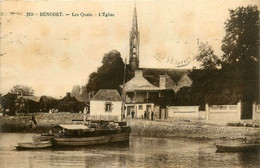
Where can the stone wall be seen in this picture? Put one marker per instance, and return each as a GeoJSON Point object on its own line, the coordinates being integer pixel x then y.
{"type": "Point", "coordinates": [256, 112]}
{"type": "Point", "coordinates": [183, 112]}
{"type": "Point", "coordinates": [190, 130]}
{"type": "Point", "coordinates": [42, 119]}
{"type": "Point", "coordinates": [223, 113]}
{"type": "Point", "coordinates": [57, 118]}
{"type": "Point", "coordinates": [202, 115]}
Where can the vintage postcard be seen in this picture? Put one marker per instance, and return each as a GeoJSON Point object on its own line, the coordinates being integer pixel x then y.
{"type": "Point", "coordinates": [145, 83]}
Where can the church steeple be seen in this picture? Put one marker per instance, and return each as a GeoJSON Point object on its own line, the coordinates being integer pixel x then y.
{"type": "Point", "coordinates": [134, 42]}
{"type": "Point", "coordinates": [134, 22]}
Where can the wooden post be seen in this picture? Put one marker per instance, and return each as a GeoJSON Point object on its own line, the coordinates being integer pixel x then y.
{"type": "Point", "coordinates": [254, 111]}
{"type": "Point", "coordinates": [239, 110]}
{"type": "Point", "coordinates": [207, 111]}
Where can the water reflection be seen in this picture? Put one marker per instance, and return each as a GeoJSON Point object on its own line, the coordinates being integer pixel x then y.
{"type": "Point", "coordinates": [141, 152]}
{"type": "Point", "coordinates": [249, 159]}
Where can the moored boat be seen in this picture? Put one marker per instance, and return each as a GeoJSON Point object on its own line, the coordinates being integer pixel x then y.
{"type": "Point", "coordinates": [96, 140]}
{"type": "Point", "coordinates": [42, 137]}
{"type": "Point", "coordinates": [84, 135]}
{"type": "Point", "coordinates": [34, 145]}
{"type": "Point", "coordinates": [243, 147]}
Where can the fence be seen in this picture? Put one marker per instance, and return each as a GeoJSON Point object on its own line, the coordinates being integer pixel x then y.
{"type": "Point", "coordinates": [104, 117]}
{"type": "Point", "coordinates": [256, 112]}
{"type": "Point", "coordinates": [223, 113]}
{"type": "Point", "coordinates": [183, 112]}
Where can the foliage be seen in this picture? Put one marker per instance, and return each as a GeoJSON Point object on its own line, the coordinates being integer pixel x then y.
{"type": "Point", "coordinates": [109, 75]}
{"type": "Point", "coordinates": [238, 77]}
{"type": "Point", "coordinates": [70, 104]}
{"type": "Point", "coordinates": [207, 57]}
{"type": "Point", "coordinates": [26, 105]}
{"type": "Point", "coordinates": [241, 55]}
{"type": "Point", "coordinates": [22, 90]}
{"type": "Point", "coordinates": [242, 35]}
{"type": "Point", "coordinates": [47, 103]}
{"type": "Point", "coordinates": [8, 103]}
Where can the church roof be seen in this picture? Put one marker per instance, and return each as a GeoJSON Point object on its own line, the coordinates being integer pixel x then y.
{"type": "Point", "coordinates": [107, 95]}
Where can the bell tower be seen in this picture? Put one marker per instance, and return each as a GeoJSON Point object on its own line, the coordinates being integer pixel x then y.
{"type": "Point", "coordinates": [134, 41]}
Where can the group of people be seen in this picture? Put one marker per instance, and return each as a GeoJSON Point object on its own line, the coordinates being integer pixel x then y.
{"type": "Point", "coordinates": [148, 115]}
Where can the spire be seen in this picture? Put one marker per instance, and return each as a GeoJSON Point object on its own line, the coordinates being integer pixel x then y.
{"type": "Point", "coordinates": [134, 44]}
{"type": "Point", "coordinates": [134, 22]}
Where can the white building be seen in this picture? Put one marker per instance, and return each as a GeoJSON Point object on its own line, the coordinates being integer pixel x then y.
{"type": "Point", "coordinates": [106, 105]}
{"type": "Point", "coordinates": [138, 91]}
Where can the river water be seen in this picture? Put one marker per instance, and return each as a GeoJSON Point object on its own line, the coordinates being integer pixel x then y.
{"type": "Point", "coordinates": [141, 152]}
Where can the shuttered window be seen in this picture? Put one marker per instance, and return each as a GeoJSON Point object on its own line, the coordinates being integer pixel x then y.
{"type": "Point", "coordinates": [108, 107]}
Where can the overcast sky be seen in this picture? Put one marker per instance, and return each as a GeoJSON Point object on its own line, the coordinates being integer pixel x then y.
{"type": "Point", "coordinates": [51, 54]}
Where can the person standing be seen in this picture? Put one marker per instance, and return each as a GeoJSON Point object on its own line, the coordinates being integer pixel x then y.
{"type": "Point", "coordinates": [133, 114]}
{"type": "Point", "coordinates": [145, 115]}
{"type": "Point", "coordinates": [34, 120]}
{"type": "Point", "coordinates": [152, 115]}
{"type": "Point", "coordinates": [85, 111]}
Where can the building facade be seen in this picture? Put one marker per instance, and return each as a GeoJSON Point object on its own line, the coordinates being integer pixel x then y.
{"type": "Point", "coordinates": [106, 104]}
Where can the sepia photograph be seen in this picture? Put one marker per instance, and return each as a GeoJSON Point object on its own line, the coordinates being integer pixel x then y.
{"type": "Point", "coordinates": [131, 83]}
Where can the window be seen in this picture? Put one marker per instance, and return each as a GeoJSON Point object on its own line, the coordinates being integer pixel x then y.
{"type": "Point", "coordinates": [140, 107]}
{"type": "Point", "coordinates": [108, 107]}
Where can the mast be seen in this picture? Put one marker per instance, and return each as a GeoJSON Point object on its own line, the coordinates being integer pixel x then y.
{"type": "Point", "coordinates": [123, 93]}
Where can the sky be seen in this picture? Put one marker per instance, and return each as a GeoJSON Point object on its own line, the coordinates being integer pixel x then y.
{"type": "Point", "coordinates": [53, 53]}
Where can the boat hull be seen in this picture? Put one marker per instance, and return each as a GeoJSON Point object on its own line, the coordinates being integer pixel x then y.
{"type": "Point", "coordinates": [30, 145]}
{"type": "Point", "coordinates": [41, 138]}
{"type": "Point", "coordinates": [238, 148]}
{"type": "Point", "coordinates": [96, 140]}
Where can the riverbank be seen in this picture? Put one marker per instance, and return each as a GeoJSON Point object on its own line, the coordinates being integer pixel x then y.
{"type": "Point", "coordinates": [159, 128]}
{"type": "Point", "coordinates": [44, 121]}
{"type": "Point", "coordinates": [190, 129]}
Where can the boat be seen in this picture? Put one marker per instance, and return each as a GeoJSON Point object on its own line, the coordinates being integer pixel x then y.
{"type": "Point", "coordinates": [34, 145]}
{"type": "Point", "coordinates": [243, 147]}
{"type": "Point", "coordinates": [95, 134]}
{"type": "Point", "coordinates": [42, 137]}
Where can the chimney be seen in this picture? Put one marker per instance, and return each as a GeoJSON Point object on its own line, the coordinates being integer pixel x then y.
{"type": "Point", "coordinates": [162, 81]}
{"type": "Point", "coordinates": [68, 94]}
{"type": "Point", "coordinates": [138, 73]}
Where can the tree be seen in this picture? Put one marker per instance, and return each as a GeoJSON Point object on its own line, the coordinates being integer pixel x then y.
{"type": "Point", "coordinates": [70, 104]}
{"type": "Point", "coordinates": [242, 35]}
{"type": "Point", "coordinates": [207, 57]}
{"type": "Point", "coordinates": [241, 51]}
{"type": "Point", "coordinates": [47, 103]}
{"type": "Point", "coordinates": [238, 76]}
{"type": "Point", "coordinates": [109, 75]}
{"type": "Point", "coordinates": [22, 90]}
{"type": "Point", "coordinates": [26, 105]}
{"type": "Point", "coordinates": [8, 103]}
{"type": "Point", "coordinates": [241, 56]}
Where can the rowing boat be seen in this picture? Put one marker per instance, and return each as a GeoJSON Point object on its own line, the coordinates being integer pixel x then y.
{"type": "Point", "coordinates": [34, 145]}
{"type": "Point", "coordinates": [243, 147]}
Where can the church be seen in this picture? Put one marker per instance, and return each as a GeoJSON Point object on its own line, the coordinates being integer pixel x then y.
{"type": "Point", "coordinates": [150, 89]}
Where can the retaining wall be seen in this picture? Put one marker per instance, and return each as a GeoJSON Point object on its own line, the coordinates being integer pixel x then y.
{"type": "Point", "coordinates": [42, 119]}
{"type": "Point", "coordinates": [190, 129]}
